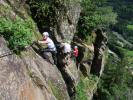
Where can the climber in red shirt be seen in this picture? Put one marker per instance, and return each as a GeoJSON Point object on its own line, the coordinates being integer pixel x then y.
{"type": "Point", "coordinates": [75, 54]}
{"type": "Point", "coordinates": [75, 51]}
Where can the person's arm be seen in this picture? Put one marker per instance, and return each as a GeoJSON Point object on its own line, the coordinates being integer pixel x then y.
{"type": "Point", "coordinates": [42, 42]}
{"type": "Point", "coordinates": [74, 51]}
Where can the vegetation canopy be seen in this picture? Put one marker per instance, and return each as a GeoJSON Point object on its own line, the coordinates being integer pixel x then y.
{"type": "Point", "coordinates": [17, 32]}
{"type": "Point", "coordinates": [95, 14]}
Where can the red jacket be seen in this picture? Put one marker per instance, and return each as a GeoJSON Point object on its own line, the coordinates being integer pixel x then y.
{"type": "Point", "coordinates": [75, 52]}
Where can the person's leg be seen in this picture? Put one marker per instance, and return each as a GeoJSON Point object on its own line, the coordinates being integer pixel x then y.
{"type": "Point", "coordinates": [45, 55]}
{"type": "Point", "coordinates": [77, 64]}
{"type": "Point", "coordinates": [54, 55]}
{"type": "Point", "coordinates": [74, 58]}
{"type": "Point", "coordinates": [68, 58]}
{"type": "Point", "coordinates": [65, 58]}
{"type": "Point", "coordinates": [44, 52]}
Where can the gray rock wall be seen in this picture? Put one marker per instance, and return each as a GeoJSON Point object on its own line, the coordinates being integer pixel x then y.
{"type": "Point", "coordinates": [30, 77]}
{"type": "Point", "coordinates": [67, 18]}
{"type": "Point", "coordinates": [16, 83]}
{"type": "Point", "coordinates": [27, 76]}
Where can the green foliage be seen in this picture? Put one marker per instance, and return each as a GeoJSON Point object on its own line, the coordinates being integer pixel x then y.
{"type": "Point", "coordinates": [116, 39]}
{"type": "Point", "coordinates": [130, 27]}
{"type": "Point", "coordinates": [80, 91]}
{"type": "Point", "coordinates": [124, 9]}
{"type": "Point", "coordinates": [93, 15]}
{"type": "Point", "coordinates": [42, 7]}
{"type": "Point", "coordinates": [18, 32]}
{"type": "Point", "coordinates": [40, 12]}
{"type": "Point", "coordinates": [116, 82]}
{"type": "Point", "coordinates": [128, 56]}
{"type": "Point", "coordinates": [85, 86]}
{"type": "Point", "coordinates": [44, 12]}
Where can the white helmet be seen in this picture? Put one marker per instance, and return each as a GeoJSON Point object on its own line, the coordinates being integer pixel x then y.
{"type": "Point", "coordinates": [45, 34]}
{"type": "Point", "coordinates": [75, 46]}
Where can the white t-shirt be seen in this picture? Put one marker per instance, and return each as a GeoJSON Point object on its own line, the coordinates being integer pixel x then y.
{"type": "Point", "coordinates": [67, 47]}
{"type": "Point", "coordinates": [50, 44]}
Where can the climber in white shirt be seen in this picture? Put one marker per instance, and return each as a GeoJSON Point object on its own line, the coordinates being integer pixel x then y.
{"type": "Point", "coordinates": [51, 46]}
{"type": "Point", "coordinates": [66, 49]}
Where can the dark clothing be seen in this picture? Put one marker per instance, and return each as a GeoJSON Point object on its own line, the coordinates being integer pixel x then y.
{"type": "Point", "coordinates": [54, 55]}
{"type": "Point", "coordinates": [66, 54]}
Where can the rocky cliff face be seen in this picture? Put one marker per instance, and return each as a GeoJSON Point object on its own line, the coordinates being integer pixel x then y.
{"type": "Point", "coordinates": [16, 82]}
{"type": "Point", "coordinates": [30, 77]}
{"type": "Point", "coordinates": [67, 18]}
{"type": "Point", "coordinates": [27, 77]}
{"type": "Point", "coordinates": [99, 51]}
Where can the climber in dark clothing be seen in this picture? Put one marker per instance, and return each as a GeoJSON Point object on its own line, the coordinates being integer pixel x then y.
{"type": "Point", "coordinates": [51, 47]}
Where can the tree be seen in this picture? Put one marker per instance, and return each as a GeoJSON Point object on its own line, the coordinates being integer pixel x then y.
{"type": "Point", "coordinates": [124, 9]}
{"type": "Point", "coordinates": [93, 15]}
{"type": "Point", "coordinates": [116, 82]}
